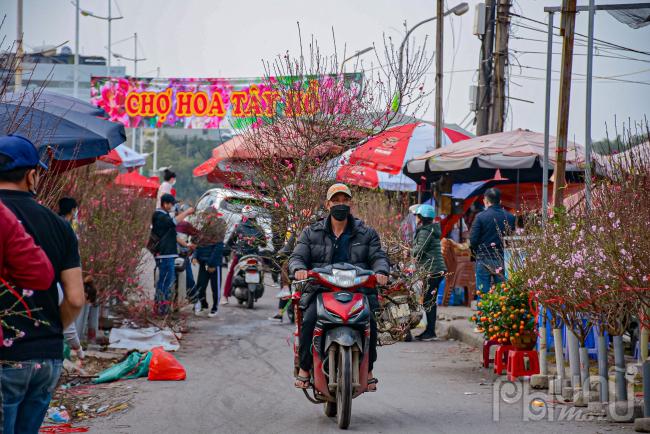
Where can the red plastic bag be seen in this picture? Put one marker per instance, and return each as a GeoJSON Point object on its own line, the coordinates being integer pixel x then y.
{"type": "Point", "coordinates": [165, 367]}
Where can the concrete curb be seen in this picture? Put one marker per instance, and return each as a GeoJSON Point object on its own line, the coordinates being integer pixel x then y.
{"type": "Point", "coordinates": [453, 323]}
{"type": "Point", "coordinates": [458, 330]}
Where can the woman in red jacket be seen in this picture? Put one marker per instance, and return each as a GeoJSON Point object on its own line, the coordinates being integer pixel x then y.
{"type": "Point", "coordinates": [22, 262]}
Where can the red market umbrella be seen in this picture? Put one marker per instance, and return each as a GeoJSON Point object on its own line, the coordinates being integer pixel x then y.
{"type": "Point", "coordinates": [391, 149]}
{"type": "Point", "coordinates": [229, 158]}
{"type": "Point", "coordinates": [124, 158]}
{"type": "Point", "coordinates": [340, 169]}
{"type": "Point", "coordinates": [371, 178]}
{"type": "Point", "coordinates": [515, 197]}
{"type": "Point", "coordinates": [146, 187]}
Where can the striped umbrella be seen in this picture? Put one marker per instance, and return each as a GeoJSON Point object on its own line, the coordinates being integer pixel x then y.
{"type": "Point", "coordinates": [391, 149]}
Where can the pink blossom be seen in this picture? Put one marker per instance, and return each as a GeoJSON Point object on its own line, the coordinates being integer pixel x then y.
{"type": "Point", "coordinates": [7, 342]}
{"type": "Point", "coordinates": [27, 292]}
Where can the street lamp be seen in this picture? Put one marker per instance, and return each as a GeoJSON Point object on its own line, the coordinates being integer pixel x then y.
{"type": "Point", "coordinates": [110, 19]}
{"type": "Point", "coordinates": [457, 10]}
{"type": "Point", "coordinates": [355, 55]}
{"type": "Point", "coordinates": [135, 59]}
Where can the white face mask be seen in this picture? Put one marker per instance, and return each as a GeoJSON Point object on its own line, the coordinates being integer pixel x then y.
{"type": "Point", "coordinates": [172, 181]}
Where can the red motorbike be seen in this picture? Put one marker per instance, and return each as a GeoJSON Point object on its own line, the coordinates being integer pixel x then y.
{"type": "Point", "coordinates": [341, 337]}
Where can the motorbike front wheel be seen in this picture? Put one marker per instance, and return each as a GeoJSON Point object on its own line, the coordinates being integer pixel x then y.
{"type": "Point", "coordinates": [344, 388]}
{"type": "Point", "coordinates": [329, 408]}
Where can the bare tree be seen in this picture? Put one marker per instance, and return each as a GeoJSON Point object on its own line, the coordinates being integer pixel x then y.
{"type": "Point", "coordinates": [307, 112]}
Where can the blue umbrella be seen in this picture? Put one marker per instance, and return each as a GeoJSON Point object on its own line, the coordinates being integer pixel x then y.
{"type": "Point", "coordinates": [72, 135]}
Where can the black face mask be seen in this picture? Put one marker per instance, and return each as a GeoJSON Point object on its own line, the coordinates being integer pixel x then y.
{"type": "Point", "coordinates": [340, 212]}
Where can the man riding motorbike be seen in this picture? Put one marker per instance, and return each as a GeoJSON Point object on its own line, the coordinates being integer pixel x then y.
{"type": "Point", "coordinates": [338, 238]}
{"type": "Point", "coordinates": [247, 238]}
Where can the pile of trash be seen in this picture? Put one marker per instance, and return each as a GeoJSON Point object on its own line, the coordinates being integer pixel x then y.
{"type": "Point", "coordinates": [91, 388]}
{"type": "Point", "coordinates": [156, 365]}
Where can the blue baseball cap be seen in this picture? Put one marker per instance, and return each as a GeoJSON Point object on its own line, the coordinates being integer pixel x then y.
{"type": "Point", "coordinates": [22, 153]}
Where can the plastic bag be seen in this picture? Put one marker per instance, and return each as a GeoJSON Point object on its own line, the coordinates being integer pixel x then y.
{"type": "Point", "coordinates": [142, 369]}
{"type": "Point", "coordinates": [165, 367]}
{"type": "Point", "coordinates": [135, 365]}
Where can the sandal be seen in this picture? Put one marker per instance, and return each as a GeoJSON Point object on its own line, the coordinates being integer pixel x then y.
{"type": "Point", "coordinates": [306, 382]}
{"type": "Point", "coordinates": [372, 382]}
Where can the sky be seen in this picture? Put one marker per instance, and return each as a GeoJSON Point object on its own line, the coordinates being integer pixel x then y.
{"type": "Point", "coordinates": [219, 38]}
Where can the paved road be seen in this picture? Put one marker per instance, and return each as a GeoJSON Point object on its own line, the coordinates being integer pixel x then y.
{"type": "Point", "coordinates": [240, 381]}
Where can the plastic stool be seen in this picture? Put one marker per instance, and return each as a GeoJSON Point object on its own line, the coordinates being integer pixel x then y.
{"type": "Point", "coordinates": [501, 358]}
{"type": "Point", "coordinates": [486, 352]}
{"type": "Point", "coordinates": [517, 364]}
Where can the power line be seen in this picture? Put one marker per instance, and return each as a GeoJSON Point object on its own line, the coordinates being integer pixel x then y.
{"type": "Point", "coordinates": [599, 77]}
{"type": "Point", "coordinates": [582, 80]}
{"type": "Point", "coordinates": [605, 56]}
{"type": "Point", "coordinates": [611, 44]}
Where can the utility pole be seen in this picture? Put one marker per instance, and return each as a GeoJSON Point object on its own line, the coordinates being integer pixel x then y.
{"type": "Point", "coordinates": [590, 69]}
{"type": "Point", "coordinates": [18, 79]}
{"type": "Point", "coordinates": [547, 118]}
{"type": "Point", "coordinates": [440, 13]}
{"type": "Point", "coordinates": [567, 29]}
{"type": "Point", "coordinates": [485, 72]}
{"type": "Point", "coordinates": [75, 85]}
{"type": "Point", "coordinates": [155, 152]}
{"type": "Point", "coordinates": [135, 56]}
{"type": "Point", "coordinates": [498, 108]}
{"type": "Point", "coordinates": [108, 58]}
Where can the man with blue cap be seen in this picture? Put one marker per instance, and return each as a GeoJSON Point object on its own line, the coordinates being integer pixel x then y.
{"type": "Point", "coordinates": [32, 349]}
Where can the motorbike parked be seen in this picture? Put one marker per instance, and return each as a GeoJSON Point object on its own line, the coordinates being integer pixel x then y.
{"type": "Point", "coordinates": [341, 337]}
{"type": "Point", "coordinates": [248, 280]}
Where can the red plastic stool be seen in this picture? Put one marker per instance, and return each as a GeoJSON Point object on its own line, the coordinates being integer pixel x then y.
{"type": "Point", "coordinates": [501, 358]}
{"type": "Point", "coordinates": [486, 352]}
{"type": "Point", "coordinates": [517, 366]}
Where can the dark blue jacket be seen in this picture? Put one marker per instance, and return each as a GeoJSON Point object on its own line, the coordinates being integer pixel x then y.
{"type": "Point", "coordinates": [164, 227]}
{"type": "Point", "coordinates": [247, 238]}
{"type": "Point", "coordinates": [487, 229]}
{"type": "Point", "coordinates": [212, 254]}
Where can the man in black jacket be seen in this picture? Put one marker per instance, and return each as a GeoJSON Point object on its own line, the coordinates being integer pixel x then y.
{"type": "Point", "coordinates": [247, 239]}
{"type": "Point", "coordinates": [337, 238]}
{"type": "Point", "coordinates": [488, 228]}
{"type": "Point", "coordinates": [163, 231]}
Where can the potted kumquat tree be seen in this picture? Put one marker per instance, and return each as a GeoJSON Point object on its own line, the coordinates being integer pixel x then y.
{"type": "Point", "coordinates": [504, 314]}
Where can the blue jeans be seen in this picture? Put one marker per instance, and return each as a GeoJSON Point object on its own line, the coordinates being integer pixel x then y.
{"type": "Point", "coordinates": [189, 275]}
{"type": "Point", "coordinates": [166, 278]}
{"type": "Point", "coordinates": [27, 390]}
{"type": "Point", "coordinates": [484, 277]}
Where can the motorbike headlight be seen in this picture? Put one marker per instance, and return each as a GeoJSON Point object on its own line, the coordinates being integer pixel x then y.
{"type": "Point", "coordinates": [342, 278]}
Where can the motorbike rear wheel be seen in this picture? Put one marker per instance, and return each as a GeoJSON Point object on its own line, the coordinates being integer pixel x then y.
{"type": "Point", "coordinates": [344, 388]}
{"type": "Point", "coordinates": [251, 297]}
